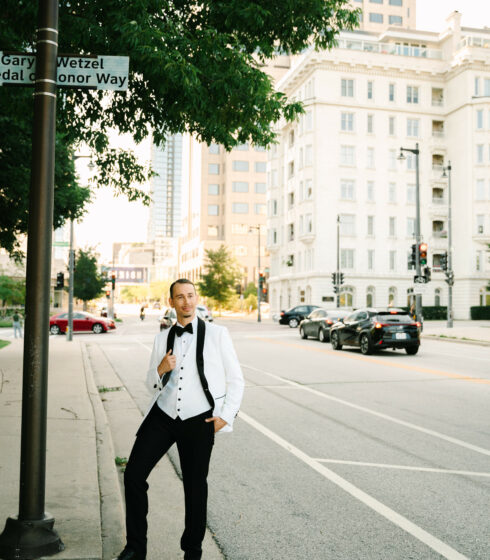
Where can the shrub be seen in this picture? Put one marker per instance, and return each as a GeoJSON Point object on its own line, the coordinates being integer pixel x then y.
{"type": "Point", "coordinates": [480, 312]}
{"type": "Point", "coordinates": [434, 313]}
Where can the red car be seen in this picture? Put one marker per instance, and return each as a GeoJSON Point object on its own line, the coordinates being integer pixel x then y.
{"type": "Point", "coordinates": [82, 322]}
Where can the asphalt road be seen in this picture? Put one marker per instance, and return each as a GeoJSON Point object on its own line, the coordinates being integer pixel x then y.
{"type": "Point", "coordinates": [341, 456]}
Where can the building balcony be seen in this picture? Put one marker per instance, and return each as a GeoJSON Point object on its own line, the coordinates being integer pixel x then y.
{"type": "Point", "coordinates": [439, 234]}
{"type": "Point", "coordinates": [307, 237]}
{"type": "Point", "coordinates": [389, 48]}
{"type": "Point", "coordinates": [272, 248]}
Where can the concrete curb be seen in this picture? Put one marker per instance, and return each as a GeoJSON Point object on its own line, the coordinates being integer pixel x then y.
{"type": "Point", "coordinates": [459, 340]}
{"type": "Point", "coordinates": [111, 504]}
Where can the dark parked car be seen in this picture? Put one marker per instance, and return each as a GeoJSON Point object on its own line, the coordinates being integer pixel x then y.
{"type": "Point", "coordinates": [170, 317]}
{"type": "Point", "coordinates": [319, 322]}
{"type": "Point", "coordinates": [82, 322]}
{"type": "Point", "coordinates": [293, 316]}
{"type": "Point", "coordinates": [372, 330]}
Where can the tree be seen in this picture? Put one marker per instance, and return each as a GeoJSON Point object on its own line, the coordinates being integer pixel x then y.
{"type": "Point", "coordinates": [195, 66]}
{"type": "Point", "coordinates": [88, 283]}
{"type": "Point", "coordinates": [12, 292]}
{"type": "Point", "coordinates": [220, 277]}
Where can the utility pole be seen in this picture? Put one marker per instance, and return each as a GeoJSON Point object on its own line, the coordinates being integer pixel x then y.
{"type": "Point", "coordinates": [449, 272]}
{"type": "Point", "coordinates": [337, 277]}
{"type": "Point", "coordinates": [71, 269]}
{"type": "Point", "coordinates": [418, 237]}
{"type": "Point", "coordinates": [31, 533]}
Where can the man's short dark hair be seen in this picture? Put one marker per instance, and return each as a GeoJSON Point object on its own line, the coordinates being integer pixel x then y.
{"type": "Point", "coordinates": [180, 281]}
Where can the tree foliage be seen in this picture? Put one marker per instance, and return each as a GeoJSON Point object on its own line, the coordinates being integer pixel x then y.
{"type": "Point", "coordinates": [195, 66]}
{"type": "Point", "coordinates": [221, 275]}
{"type": "Point", "coordinates": [12, 291]}
{"type": "Point", "coordinates": [88, 283]}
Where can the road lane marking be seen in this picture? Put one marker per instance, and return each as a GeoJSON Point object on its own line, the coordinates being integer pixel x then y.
{"type": "Point", "coordinates": [450, 439]}
{"type": "Point", "coordinates": [402, 467]}
{"type": "Point", "coordinates": [397, 519]}
{"type": "Point", "coordinates": [385, 363]}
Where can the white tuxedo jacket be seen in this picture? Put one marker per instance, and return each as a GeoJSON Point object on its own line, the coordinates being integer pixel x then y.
{"type": "Point", "coordinates": [221, 369]}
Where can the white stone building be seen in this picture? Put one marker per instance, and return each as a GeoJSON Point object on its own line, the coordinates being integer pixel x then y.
{"type": "Point", "coordinates": [364, 100]}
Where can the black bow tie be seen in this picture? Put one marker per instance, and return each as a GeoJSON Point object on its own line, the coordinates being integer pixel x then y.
{"type": "Point", "coordinates": [179, 331]}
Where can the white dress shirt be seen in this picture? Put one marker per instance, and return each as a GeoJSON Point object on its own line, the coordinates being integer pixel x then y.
{"type": "Point", "coordinates": [184, 396]}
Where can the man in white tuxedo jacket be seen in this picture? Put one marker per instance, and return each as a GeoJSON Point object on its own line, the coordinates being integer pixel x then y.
{"type": "Point", "coordinates": [197, 387]}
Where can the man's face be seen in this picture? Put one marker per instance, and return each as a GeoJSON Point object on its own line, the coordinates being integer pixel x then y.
{"type": "Point", "coordinates": [184, 301]}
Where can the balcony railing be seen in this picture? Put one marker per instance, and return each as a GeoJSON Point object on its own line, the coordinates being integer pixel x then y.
{"type": "Point", "coordinates": [439, 201]}
{"type": "Point", "coordinates": [483, 42]}
{"type": "Point", "coordinates": [389, 48]}
{"type": "Point", "coordinates": [438, 133]}
{"type": "Point", "coordinates": [437, 103]}
{"type": "Point", "coordinates": [439, 234]}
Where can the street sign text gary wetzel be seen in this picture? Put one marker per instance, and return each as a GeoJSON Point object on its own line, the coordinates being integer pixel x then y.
{"type": "Point", "coordinates": [98, 72]}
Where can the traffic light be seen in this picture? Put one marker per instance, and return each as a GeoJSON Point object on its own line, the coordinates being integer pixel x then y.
{"type": "Point", "coordinates": [261, 281]}
{"type": "Point", "coordinates": [427, 273]}
{"type": "Point", "coordinates": [113, 281]}
{"type": "Point", "coordinates": [341, 278]}
{"type": "Point", "coordinates": [107, 294]}
{"type": "Point", "coordinates": [336, 289]}
{"type": "Point", "coordinates": [443, 261]}
{"type": "Point", "coordinates": [334, 278]}
{"type": "Point", "coordinates": [450, 277]}
{"type": "Point", "coordinates": [412, 259]}
{"type": "Point", "coordinates": [423, 254]}
{"type": "Point", "coordinates": [60, 281]}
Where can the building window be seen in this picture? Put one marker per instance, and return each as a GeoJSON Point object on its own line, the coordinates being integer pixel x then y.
{"type": "Point", "coordinates": [477, 86]}
{"type": "Point", "coordinates": [347, 224]}
{"type": "Point", "coordinates": [392, 192]}
{"type": "Point", "coordinates": [259, 209]}
{"type": "Point", "coordinates": [370, 158]}
{"type": "Point", "coordinates": [213, 168]}
{"type": "Point", "coordinates": [480, 189]}
{"type": "Point", "coordinates": [395, 20]}
{"type": "Point", "coordinates": [213, 209]}
{"type": "Point", "coordinates": [480, 223]}
{"type": "Point", "coordinates": [478, 261]}
{"type": "Point", "coordinates": [479, 153]}
{"type": "Point", "coordinates": [213, 188]}
{"type": "Point", "coordinates": [396, 2]}
{"type": "Point", "coordinates": [291, 232]}
{"type": "Point", "coordinates": [391, 92]}
{"type": "Point", "coordinates": [308, 189]}
{"type": "Point", "coordinates": [392, 296]}
{"type": "Point", "coordinates": [410, 161]}
{"type": "Point", "coordinates": [376, 18]}
{"type": "Point", "coordinates": [309, 155]}
{"type": "Point", "coordinates": [347, 189]}
{"type": "Point", "coordinates": [239, 208]}
{"type": "Point", "coordinates": [213, 148]}
{"type": "Point", "coordinates": [348, 155]}
{"type": "Point", "coordinates": [410, 227]}
{"type": "Point", "coordinates": [290, 169]}
{"type": "Point", "coordinates": [370, 90]}
{"type": "Point", "coordinates": [370, 124]}
{"type": "Point", "coordinates": [347, 258]}
{"type": "Point", "coordinates": [346, 296]}
{"type": "Point", "coordinates": [413, 128]}
{"type": "Point", "coordinates": [370, 296]}
{"type": "Point", "coordinates": [308, 223]}
{"type": "Point", "coordinates": [239, 186]}
{"type": "Point", "coordinates": [260, 166]}
{"type": "Point", "coordinates": [239, 165]}
{"type": "Point", "coordinates": [347, 122]}
{"type": "Point", "coordinates": [291, 138]}
{"type": "Point", "coordinates": [259, 148]}
{"type": "Point", "coordinates": [370, 191]}
{"type": "Point", "coordinates": [392, 154]}
{"type": "Point", "coordinates": [347, 88]}
{"type": "Point", "coordinates": [370, 259]}
{"type": "Point", "coordinates": [411, 194]}
{"type": "Point", "coordinates": [479, 119]}
{"type": "Point", "coordinates": [392, 226]}
{"type": "Point", "coordinates": [240, 229]}
{"type": "Point", "coordinates": [213, 231]}
{"type": "Point", "coordinates": [260, 188]}
{"type": "Point", "coordinates": [412, 94]}
{"type": "Point", "coordinates": [391, 126]}
{"type": "Point", "coordinates": [376, 1]}
{"type": "Point", "coordinates": [370, 225]}
{"type": "Point", "coordinates": [309, 120]}
{"type": "Point", "coordinates": [242, 147]}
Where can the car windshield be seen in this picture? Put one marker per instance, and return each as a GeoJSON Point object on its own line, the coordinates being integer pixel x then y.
{"type": "Point", "coordinates": [390, 317]}
{"type": "Point", "coordinates": [337, 316]}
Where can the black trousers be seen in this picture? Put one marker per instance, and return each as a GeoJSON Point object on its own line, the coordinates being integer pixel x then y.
{"type": "Point", "coordinates": [157, 433]}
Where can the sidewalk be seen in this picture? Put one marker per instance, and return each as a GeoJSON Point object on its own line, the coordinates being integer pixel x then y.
{"type": "Point", "coordinates": [86, 430]}
{"type": "Point", "coordinates": [469, 332]}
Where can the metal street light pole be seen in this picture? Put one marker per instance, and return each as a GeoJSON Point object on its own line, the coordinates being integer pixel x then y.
{"type": "Point", "coordinates": [337, 278]}
{"type": "Point", "coordinates": [450, 276]}
{"type": "Point", "coordinates": [418, 237]}
{"type": "Point", "coordinates": [259, 318]}
{"type": "Point", "coordinates": [31, 533]}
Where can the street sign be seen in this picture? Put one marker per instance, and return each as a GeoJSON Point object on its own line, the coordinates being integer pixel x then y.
{"type": "Point", "coordinates": [97, 72]}
{"type": "Point", "coordinates": [61, 243]}
{"type": "Point", "coordinates": [420, 289]}
{"type": "Point", "coordinates": [420, 279]}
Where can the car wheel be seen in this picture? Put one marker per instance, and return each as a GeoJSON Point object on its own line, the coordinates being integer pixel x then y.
{"type": "Point", "coordinates": [365, 343]}
{"type": "Point", "coordinates": [334, 337]}
{"type": "Point", "coordinates": [321, 336]}
{"type": "Point", "coordinates": [98, 328]}
{"type": "Point", "coordinates": [302, 332]}
{"type": "Point", "coordinates": [411, 350]}
{"type": "Point", "coordinates": [293, 323]}
{"type": "Point", "coordinates": [54, 329]}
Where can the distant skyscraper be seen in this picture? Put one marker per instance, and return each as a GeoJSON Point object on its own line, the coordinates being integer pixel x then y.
{"type": "Point", "coordinates": [166, 189]}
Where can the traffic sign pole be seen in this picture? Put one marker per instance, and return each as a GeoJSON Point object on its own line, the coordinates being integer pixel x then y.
{"type": "Point", "coordinates": [31, 533]}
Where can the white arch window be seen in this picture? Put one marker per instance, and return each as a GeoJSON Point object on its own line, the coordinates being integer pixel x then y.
{"type": "Point", "coordinates": [392, 296]}
{"type": "Point", "coordinates": [347, 296]}
{"type": "Point", "coordinates": [370, 293]}
{"type": "Point", "coordinates": [437, 297]}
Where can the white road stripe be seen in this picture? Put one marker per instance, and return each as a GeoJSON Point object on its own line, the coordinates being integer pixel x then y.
{"type": "Point", "coordinates": [401, 467]}
{"type": "Point", "coordinates": [433, 433]}
{"type": "Point", "coordinates": [432, 542]}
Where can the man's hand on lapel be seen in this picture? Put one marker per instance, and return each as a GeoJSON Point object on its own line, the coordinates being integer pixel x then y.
{"type": "Point", "coordinates": [218, 423]}
{"type": "Point", "coordinates": [167, 364]}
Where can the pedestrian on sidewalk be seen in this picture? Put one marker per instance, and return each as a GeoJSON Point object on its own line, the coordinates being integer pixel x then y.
{"type": "Point", "coordinates": [197, 386]}
{"type": "Point", "coordinates": [16, 322]}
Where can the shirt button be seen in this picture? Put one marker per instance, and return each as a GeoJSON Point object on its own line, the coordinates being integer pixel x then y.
{"type": "Point", "coordinates": [180, 378]}
{"type": "Point", "coordinates": [178, 410]}
{"type": "Point", "coordinates": [154, 386]}
{"type": "Point", "coordinates": [182, 367]}
{"type": "Point", "coordinates": [178, 399]}
{"type": "Point", "coordinates": [180, 388]}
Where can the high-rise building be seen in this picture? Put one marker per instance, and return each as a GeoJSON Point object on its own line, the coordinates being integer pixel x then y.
{"type": "Point", "coordinates": [364, 100]}
{"type": "Point", "coordinates": [380, 14]}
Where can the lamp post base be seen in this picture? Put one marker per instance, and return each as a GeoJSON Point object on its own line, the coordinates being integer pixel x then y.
{"type": "Point", "coordinates": [28, 540]}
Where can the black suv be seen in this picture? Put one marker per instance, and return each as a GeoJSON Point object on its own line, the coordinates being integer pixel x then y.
{"type": "Point", "coordinates": [375, 329]}
{"type": "Point", "coordinates": [293, 316]}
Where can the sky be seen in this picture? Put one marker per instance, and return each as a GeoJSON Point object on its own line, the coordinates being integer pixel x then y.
{"type": "Point", "coordinates": [111, 219]}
